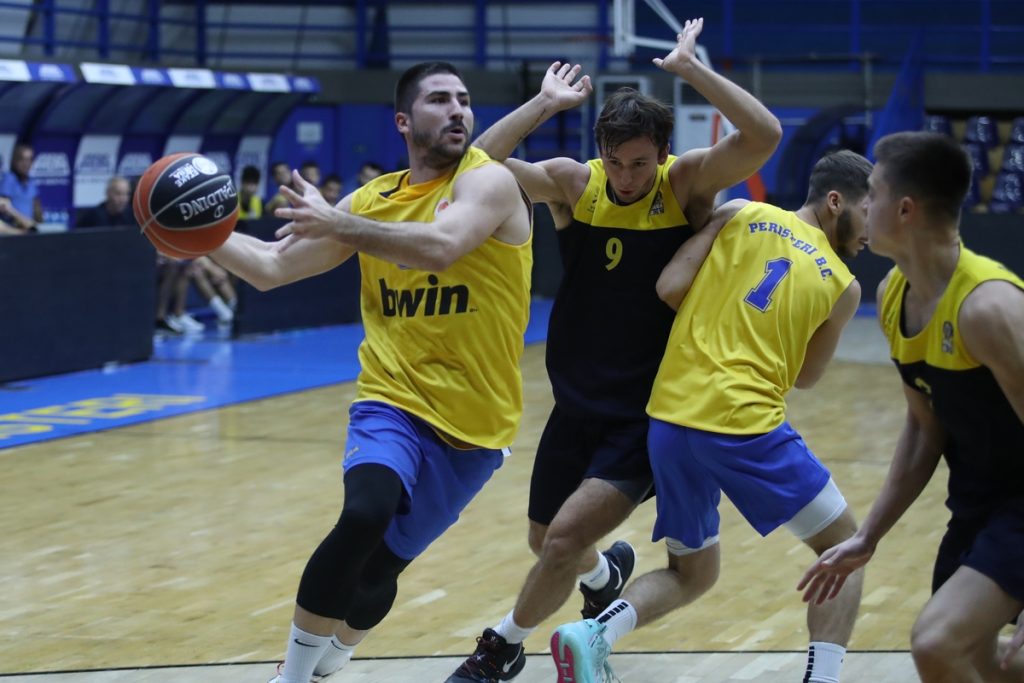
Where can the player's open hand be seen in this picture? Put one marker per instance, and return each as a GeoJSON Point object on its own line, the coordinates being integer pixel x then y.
{"type": "Point", "coordinates": [1008, 649]}
{"type": "Point", "coordinates": [826, 577]}
{"type": "Point", "coordinates": [685, 52]}
{"type": "Point", "coordinates": [562, 87]}
{"type": "Point", "coordinates": [310, 215]}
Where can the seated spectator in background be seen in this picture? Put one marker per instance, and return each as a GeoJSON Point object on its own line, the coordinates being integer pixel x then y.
{"type": "Point", "coordinates": [22, 210]}
{"type": "Point", "coordinates": [114, 211]}
{"type": "Point", "coordinates": [171, 297]}
{"type": "Point", "coordinates": [8, 229]}
{"type": "Point", "coordinates": [250, 205]}
{"type": "Point", "coordinates": [310, 172]}
{"type": "Point", "coordinates": [214, 283]}
{"type": "Point", "coordinates": [282, 175]}
{"type": "Point", "coordinates": [368, 171]}
{"type": "Point", "coordinates": [331, 189]}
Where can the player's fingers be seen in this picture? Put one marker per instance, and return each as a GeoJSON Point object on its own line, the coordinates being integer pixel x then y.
{"type": "Point", "coordinates": [302, 184]}
{"type": "Point", "coordinates": [564, 70]}
{"type": "Point", "coordinates": [293, 197]}
{"type": "Point", "coordinates": [836, 587]}
{"type": "Point", "coordinates": [285, 230]}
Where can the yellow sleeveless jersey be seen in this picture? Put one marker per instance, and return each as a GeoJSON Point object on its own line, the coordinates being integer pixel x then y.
{"type": "Point", "coordinates": [738, 341]}
{"type": "Point", "coordinates": [983, 432]}
{"type": "Point", "coordinates": [444, 346]}
{"type": "Point", "coordinates": [939, 343]}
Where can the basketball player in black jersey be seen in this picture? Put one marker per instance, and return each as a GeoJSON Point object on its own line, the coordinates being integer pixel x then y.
{"type": "Point", "coordinates": [620, 219]}
{"type": "Point", "coordinates": [955, 325]}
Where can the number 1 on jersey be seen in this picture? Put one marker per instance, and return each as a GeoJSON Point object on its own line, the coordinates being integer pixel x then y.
{"type": "Point", "coordinates": [760, 297]}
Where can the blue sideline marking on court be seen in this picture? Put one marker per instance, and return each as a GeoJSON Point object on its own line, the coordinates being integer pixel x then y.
{"type": "Point", "coordinates": [187, 375]}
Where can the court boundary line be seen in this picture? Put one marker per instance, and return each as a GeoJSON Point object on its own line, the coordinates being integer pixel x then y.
{"type": "Point", "coordinates": [153, 667]}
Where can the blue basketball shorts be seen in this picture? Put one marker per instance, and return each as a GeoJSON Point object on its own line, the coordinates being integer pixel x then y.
{"type": "Point", "coordinates": [769, 477]}
{"type": "Point", "coordinates": [992, 544]}
{"type": "Point", "coordinates": [438, 479]}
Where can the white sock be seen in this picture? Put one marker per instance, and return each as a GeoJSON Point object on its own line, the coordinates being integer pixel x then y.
{"type": "Point", "coordinates": [597, 578]}
{"type": "Point", "coordinates": [511, 631]}
{"type": "Point", "coordinates": [619, 619]}
{"type": "Point", "coordinates": [824, 661]}
{"type": "Point", "coordinates": [334, 658]}
{"type": "Point", "coordinates": [304, 651]}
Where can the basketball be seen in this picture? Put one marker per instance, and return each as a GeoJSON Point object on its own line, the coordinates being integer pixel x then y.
{"type": "Point", "coordinates": [185, 205]}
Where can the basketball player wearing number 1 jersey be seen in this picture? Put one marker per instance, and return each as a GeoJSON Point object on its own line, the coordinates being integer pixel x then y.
{"type": "Point", "coordinates": [763, 315]}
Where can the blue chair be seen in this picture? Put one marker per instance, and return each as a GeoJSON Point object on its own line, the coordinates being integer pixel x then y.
{"type": "Point", "coordinates": [1008, 193]}
{"type": "Point", "coordinates": [979, 158]}
{"type": "Point", "coordinates": [1013, 159]}
{"type": "Point", "coordinates": [982, 130]}
{"type": "Point", "coordinates": [937, 123]}
{"type": "Point", "coordinates": [1017, 131]}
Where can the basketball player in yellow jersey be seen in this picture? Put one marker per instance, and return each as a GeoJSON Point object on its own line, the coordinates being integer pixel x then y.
{"type": "Point", "coordinates": [620, 218]}
{"type": "Point", "coordinates": [445, 254]}
{"type": "Point", "coordinates": [955, 325]}
{"type": "Point", "coordinates": [764, 314]}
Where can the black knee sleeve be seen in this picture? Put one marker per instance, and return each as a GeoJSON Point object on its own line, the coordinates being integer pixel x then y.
{"type": "Point", "coordinates": [332, 576]}
{"type": "Point", "coordinates": [377, 589]}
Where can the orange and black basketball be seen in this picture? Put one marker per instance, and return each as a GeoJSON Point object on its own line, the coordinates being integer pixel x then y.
{"type": "Point", "coordinates": [185, 205]}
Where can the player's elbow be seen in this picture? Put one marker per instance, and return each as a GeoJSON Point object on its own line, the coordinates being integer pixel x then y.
{"type": "Point", "coordinates": [440, 256]}
{"type": "Point", "coordinates": [670, 291]}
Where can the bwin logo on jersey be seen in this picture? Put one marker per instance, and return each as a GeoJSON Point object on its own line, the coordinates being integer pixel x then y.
{"type": "Point", "coordinates": [432, 300]}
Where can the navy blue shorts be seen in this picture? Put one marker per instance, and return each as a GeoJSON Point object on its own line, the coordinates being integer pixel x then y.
{"type": "Point", "coordinates": [439, 479]}
{"type": "Point", "coordinates": [992, 545]}
{"type": "Point", "coordinates": [572, 449]}
{"type": "Point", "coordinates": [768, 477]}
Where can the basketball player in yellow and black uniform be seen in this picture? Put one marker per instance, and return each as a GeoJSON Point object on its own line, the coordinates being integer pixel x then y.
{"type": "Point", "coordinates": [620, 218]}
{"type": "Point", "coordinates": [445, 254]}
{"type": "Point", "coordinates": [955, 325]}
{"type": "Point", "coordinates": [763, 315]}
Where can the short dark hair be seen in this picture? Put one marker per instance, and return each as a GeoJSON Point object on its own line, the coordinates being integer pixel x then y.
{"type": "Point", "coordinates": [373, 166]}
{"type": "Point", "coordinates": [408, 85]}
{"type": "Point", "coordinates": [250, 174]}
{"type": "Point", "coordinates": [932, 168]}
{"type": "Point", "coordinates": [309, 163]}
{"type": "Point", "coordinates": [844, 171]}
{"type": "Point", "coordinates": [628, 114]}
{"type": "Point", "coordinates": [275, 164]}
{"type": "Point", "coordinates": [331, 178]}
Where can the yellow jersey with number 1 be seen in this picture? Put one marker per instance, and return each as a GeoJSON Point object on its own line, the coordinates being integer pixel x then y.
{"type": "Point", "coordinates": [739, 339]}
{"type": "Point", "coordinates": [444, 346]}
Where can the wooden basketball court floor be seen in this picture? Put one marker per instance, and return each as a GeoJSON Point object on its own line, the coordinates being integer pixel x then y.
{"type": "Point", "coordinates": [169, 551]}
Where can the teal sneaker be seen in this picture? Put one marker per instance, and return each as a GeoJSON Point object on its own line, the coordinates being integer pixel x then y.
{"type": "Point", "coordinates": [581, 653]}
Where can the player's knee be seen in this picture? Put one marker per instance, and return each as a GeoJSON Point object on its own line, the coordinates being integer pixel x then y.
{"type": "Point", "coordinates": [562, 547]}
{"type": "Point", "coordinates": [535, 537]}
{"type": "Point", "coordinates": [932, 645]}
{"type": "Point", "coordinates": [699, 570]}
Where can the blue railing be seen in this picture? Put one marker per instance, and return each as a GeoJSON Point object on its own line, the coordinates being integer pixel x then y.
{"type": "Point", "coordinates": [981, 35]}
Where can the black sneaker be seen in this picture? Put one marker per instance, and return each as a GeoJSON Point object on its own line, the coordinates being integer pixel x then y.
{"type": "Point", "coordinates": [494, 660]}
{"type": "Point", "coordinates": [621, 559]}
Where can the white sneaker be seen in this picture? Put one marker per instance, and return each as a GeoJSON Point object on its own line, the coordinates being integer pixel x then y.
{"type": "Point", "coordinates": [316, 677]}
{"type": "Point", "coordinates": [187, 322]}
{"type": "Point", "coordinates": [326, 676]}
{"type": "Point", "coordinates": [225, 313]}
